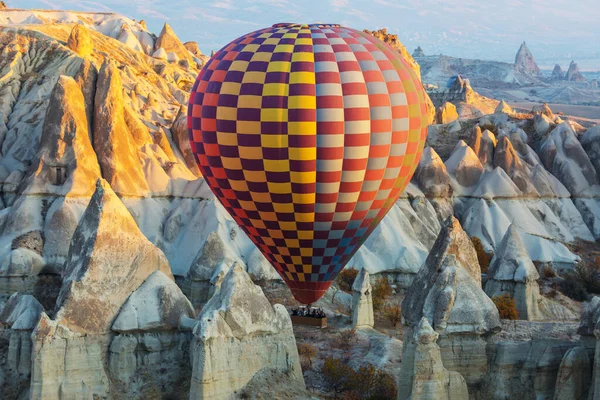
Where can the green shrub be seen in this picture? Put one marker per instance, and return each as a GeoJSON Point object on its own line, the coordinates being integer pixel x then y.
{"type": "Point", "coordinates": [366, 383]}
{"type": "Point", "coordinates": [573, 288]}
{"type": "Point", "coordinates": [337, 376]}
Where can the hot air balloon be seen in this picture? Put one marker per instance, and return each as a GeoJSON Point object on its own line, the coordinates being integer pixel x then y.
{"type": "Point", "coordinates": [307, 134]}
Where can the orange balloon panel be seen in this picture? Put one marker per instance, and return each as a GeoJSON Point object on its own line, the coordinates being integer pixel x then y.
{"type": "Point", "coordinates": [307, 134]}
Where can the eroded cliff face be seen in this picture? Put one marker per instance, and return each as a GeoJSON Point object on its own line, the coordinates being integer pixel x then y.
{"type": "Point", "coordinates": [240, 335]}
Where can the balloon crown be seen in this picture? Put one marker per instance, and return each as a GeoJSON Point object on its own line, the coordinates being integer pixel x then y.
{"type": "Point", "coordinates": [294, 25]}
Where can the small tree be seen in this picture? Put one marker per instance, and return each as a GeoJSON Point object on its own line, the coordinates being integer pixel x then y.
{"type": "Point", "coordinates": [307, 352]}
{"type": "Point", "coordinates": [393, 312]}
{"type": "Point", "coordinates": [506, 306]}
{"type": "Point", "coordinates": [346, 278]}
{"type": "Point", "coordinates": [345, 339]}
{"type": "Point", "coordinates": [381, 290]}
{"type": "Point", "coordinates": [337, 376]}
{"type": "Point", "coordinates": [483, 257]}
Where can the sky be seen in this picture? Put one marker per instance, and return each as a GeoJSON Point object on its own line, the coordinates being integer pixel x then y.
{"type": "Point", "coordinates": [555, 30]}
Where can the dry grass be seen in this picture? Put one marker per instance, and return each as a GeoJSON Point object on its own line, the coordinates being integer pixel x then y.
{"type": "Point", "coordinates": [506, 307]}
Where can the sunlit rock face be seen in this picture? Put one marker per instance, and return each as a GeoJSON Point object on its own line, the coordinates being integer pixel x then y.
{"type": "Point", "coordinates": [525, 62]}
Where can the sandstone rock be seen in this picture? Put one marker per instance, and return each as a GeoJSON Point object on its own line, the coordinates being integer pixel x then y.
{"type": "Point", "coordinates": [563, 156]}
{"type": "Point", "coordinates": [118, 157]}
{"type": "Point", "coordinates": [169, 41]}
{"type": "Point", "coordinates": [557, 73]}
{"type": "Point", "coordinates": [108, 260]}
{"type": "Point", "coordinates": [525, 62]}
{"type": "Point", "coordinates": [507, 158]}
{"type": "Point", "coordinates": [544, 109]}
{"type": "Point", "coordinates": [160, 54]}
{"type": "Point", "coordinates": [446, 292]}
{"type": "Point", "coordinates": [193, 48]}
{"type": "Point", "coordinates": [21, 312]}
{"type": "Point", "coordinates": [66, 162]}
{"type": "Point", "coordinates": [418, 52]}
{"type": "Point", "coordinates": [181, 137]}
{"type": "Point", "coordinates": [431, 175]}
{"type": "Point", "coordinates": [504, 108]}
{"type": "Point", "coordinates": [464, 165]}
{"type": "Point", "coordinates": [574, 375]}
{"type": "Point", "coordinates": [362, 301]}
{"type": "Point", "coordinates": [239, 335]}
{"type": "Point", "coordinates": [590, 141]}
{"type": "Point", "coordinates": [439, 278]}
{"type": "Point", "coordinates": [86, 78]}
{"type": "Point", "coordinates": [512, 271]}
{"type": "Point", "coordinates": [80, 41]}
{"type": "Point", "coordinates": [446, 113]}
{"type": "Point", "coordinates": [158, 304]}
{"type": "Point", "coordinates": [129, 39]}
{"type": "Point", "coordinates": [67, 365]}
{"type": "Point", "coordinates": [395, 43]}
{"type": "Point", "coordinates": [573, 74]}
{"type": "Point", "coordinates": [22, 262]}
{"type": "Point", "coordinates": [423, 375]}
{"type": "Point", "coordinates": [2, 5]}
{"type": "Point", "coordinates": [483, 144]}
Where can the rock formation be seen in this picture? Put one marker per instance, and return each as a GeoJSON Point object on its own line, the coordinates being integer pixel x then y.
{"type": "Point", "coordinates": [446, 113]}
{"type": "Point", "coordinates": [507, 158]}
{"type": "Point", "coordinates": [193, 48]}
{"type": "Point", "coordinates": [557, 73]}
{"type": "Point", "coordinates": [18, 318]}
{"type": "Point", "coordinates": [574, 375]}
{"type": "Point", "coordinates": [525, 62]}
{"type": "Point", "coordinates": [66, 162]}
{"type": "Point", "coordinates": [504, 108]}
{"type": "Point", "coordinates": [483, 144]}
{"type": "Point", "coordinates": [79, 41]}
{"type": "Point", "coordinates": [240, 336]}
{"type": "Point", "coordinates": [112, 141]}
{"type": "Point", "coordinates": [395, 43]}
{"type": "Point", "coordinates": [108, 260]}
{"type": "Point", "coordinates": [573, 74]}
{"type": "Point", "coordinates": [512, 271]}
{"type": "Point", "coordinates": [418, 52]}
{"type": "Point", "coordinates": [114, 280]}
{"type": "Point", "coordinates": [362, 301]}
{"type": "Point", "coordinates": [170, 43]}
{"type": "Point", "coordinates": [464, 165]}
{"type": "Point", "coordinates": [447, 291]}
{"type": "Point", "coordinates": [423, 375]}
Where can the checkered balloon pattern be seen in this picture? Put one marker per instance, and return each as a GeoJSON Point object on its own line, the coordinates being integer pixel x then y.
{"type": "Point", "coordinates": [307, 134]}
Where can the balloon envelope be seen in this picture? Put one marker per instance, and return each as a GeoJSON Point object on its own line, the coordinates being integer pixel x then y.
{"type": "Point", "coordinates": [307, 134]}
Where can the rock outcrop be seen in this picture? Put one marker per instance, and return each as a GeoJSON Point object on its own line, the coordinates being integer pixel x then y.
{"type": "Point", "coordinates": [362, 301]}
{"type": "Point", "coordinates": [158, 304]}
{"type": "Point", "coordinates": [423, 375]}
{"type": "Point", "coordinates": [557, 73]}
{"type": "Point", "coordinates": [108, 260]}
{"type": "Point", "coordinates": [574, 375]}
{"type": "Point", "coordinates": [418, 52]}
{"type": "Point", "coordinates": [118, 157]}
{"type": "Point", "coordinates": [446, 113]}
{"type": "Point", "coordinates": [79, 41]}
{"type": "Point", "coordinates": [170, 43]}
{"type": "Point", "coordinates": [193, 48]}
{"type": "Point", "coordinates": [512, 271]}
{"type": "Point", "coordinates": [66, 162]}
{"type": "Point", "coordinates": [464, 165]}
{"type": "Point", "coordinates": [483, 144]}
{"type": "Point", "coordinates": [240, 336]}
{"type": "Point", "coordinates": [111, 270]}
{"type": "Point", "coordinates": [525, 62]}
{"type": "Point", "coordinates": [504, 108]}
{"type": "Point", "coordinates": [573, 73]}
{"type": "Point", "coordinates": [447, 291]}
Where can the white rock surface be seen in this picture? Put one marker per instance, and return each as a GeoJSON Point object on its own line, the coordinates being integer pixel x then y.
{"type": "Point", "coordinates": [239, 335]}
{"type": "Point", "coordinates": [423, 376]}
{"type": "Point", "coordinates": [158, 304]}
{"type": "Point", "coordinates": [362, 301]}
